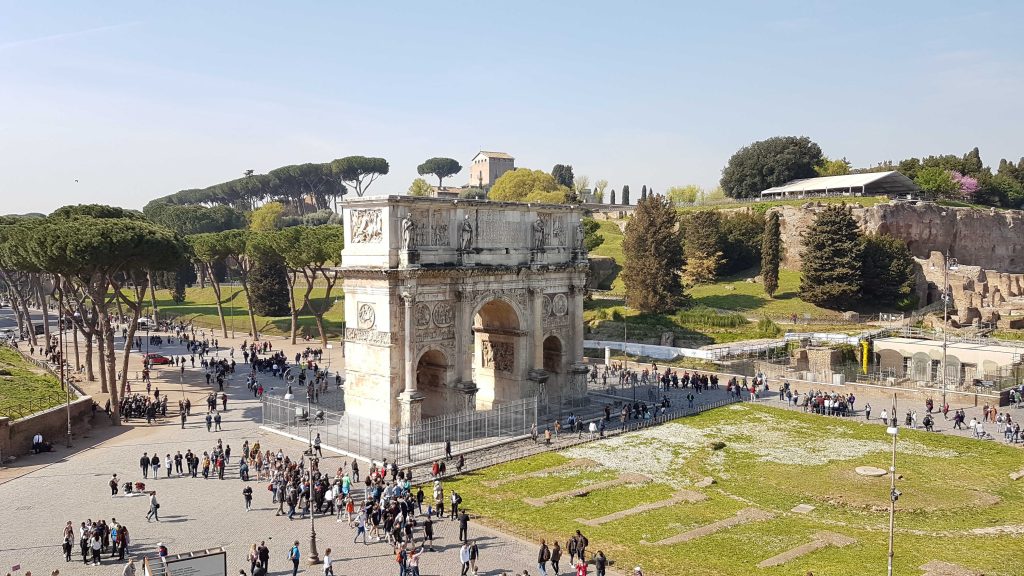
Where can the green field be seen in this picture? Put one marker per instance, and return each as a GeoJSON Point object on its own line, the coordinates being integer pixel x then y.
{"type": "Point", "coordinates": [735, 293]}
{"type": "Point", "coordinates": [24, 388]}
{"type": "Point", "coordinates": [958, 503]}
{"type": "Point", "coordinates": [200, 308]}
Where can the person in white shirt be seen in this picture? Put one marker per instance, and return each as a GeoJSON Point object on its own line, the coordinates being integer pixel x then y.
{"type": "Point", "coordinates": [37, 443]}
{"type": "Point", "coordinates": [96, 544]}
{"type": "Point", "coordinates": [328, 569]}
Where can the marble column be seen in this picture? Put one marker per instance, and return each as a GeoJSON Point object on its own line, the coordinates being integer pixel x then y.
{"type": "Point", "coordinates": [463, 341]}
{"type": "Point", "coordinates": [410, 399]}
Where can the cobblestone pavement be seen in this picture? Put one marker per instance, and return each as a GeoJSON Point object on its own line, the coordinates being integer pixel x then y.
{"type": "Point", "coordinates": [40, 493]}
{"type": "Point", "coordinates": [43, 492]}
{"type": "Point", "coordinates": [198, 513]}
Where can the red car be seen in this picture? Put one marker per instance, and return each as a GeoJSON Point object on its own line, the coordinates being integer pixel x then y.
{"type": "Point", "coordinates": [157, 359]}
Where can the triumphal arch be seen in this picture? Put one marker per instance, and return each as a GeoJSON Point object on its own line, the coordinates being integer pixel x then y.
{"type": "Point", "coordinates": [456, 305]}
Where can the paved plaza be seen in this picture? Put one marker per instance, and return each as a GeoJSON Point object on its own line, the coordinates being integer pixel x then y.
{"type": "Point", "coordinates": [41, 493]}
{"type": "Point", "coordinates": [197, 513]}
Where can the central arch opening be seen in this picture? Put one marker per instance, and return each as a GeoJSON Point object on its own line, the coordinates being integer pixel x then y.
{"type": "Point", "coordinates": [496, 353]}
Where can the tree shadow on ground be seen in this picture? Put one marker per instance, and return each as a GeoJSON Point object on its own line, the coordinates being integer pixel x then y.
{"type": "Point", "coordinates": [737, 302]}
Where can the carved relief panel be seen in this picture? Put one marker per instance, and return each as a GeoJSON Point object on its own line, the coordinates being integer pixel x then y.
{"type": "Point", "coordinates": [498, 356]}
{"type": "Point", "coordinates": [432, 227]}
{"type": "Point", "coordinates": [367, 226]}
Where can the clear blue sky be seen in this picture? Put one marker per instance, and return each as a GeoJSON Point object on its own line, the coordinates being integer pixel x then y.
{"type": "Point", "coordinates": [140, 99]}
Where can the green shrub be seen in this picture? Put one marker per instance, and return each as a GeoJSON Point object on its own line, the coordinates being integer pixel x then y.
{"type": "Point", "coordinates": [704, 316]}
{"type": "Point", "coordinates": [617, 316]}
{"type": "Point", "coordinates": [767, 328]}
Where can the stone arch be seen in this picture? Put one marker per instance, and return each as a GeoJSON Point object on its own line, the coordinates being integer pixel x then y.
{"type": "Point", "coordinates": [433, 374]}
{"type": "Point", "coordinates": [499, 352]}
{"type": "Point", "coordinates": [496, 301]}
{"type": "Point", "coordinates": [554, 365]}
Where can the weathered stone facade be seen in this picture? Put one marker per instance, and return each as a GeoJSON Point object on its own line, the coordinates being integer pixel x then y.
{"type": "Point", "coordinates": [456, 304]}
{"type": "Point", "coordinates": [989, 239]}
{"type": "Point", "coordinates": [977, 295]}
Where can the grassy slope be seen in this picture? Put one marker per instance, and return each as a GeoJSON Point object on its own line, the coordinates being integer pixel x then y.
{"type": "Point", "coordinates": [981, 495]}
{"type": "Point", "coordinates": [26, 388]}
{"type": "Point", "coordinates": [200, 307]}
{"type": "Point", "coordinates": [735, 293]}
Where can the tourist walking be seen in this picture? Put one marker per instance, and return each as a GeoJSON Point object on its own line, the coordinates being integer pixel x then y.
{"type": "Point", "coordinates": [543, 555]}
{"type": "Point", "coordinates": [464, 558]}
{"type": "Point", "coordinates": [154, 508]}
{"type": "Point", "coordinates": [293, 555]}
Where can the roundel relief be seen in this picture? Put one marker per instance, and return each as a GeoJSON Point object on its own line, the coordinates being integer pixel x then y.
{"type": "Point", "coordinates": [560, 305]}
{"type": "Point", "coordinates": [421, 315]}
{"type": "Point", "coordinates": [366, 316]}
{"type": "Point", "coordinates": [444, 314]}
{"type": "Point", "coordinates": [546, 306]}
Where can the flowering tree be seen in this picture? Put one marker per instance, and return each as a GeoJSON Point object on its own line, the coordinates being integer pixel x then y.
{"type": "Point", "coordinates": [968, 185]}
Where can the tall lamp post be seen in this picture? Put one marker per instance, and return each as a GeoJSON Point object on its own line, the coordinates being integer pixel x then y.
{"type": "Point", "coordinates": [64, 377]}
{"type": "Point", "coordinates": [314, 556]}
{"type": "Point", "coordinates": [625, 366]}
{"type": "Point", "coordinates": [894, 494]}
{"type": "Point", "coordinates": [948, 265]}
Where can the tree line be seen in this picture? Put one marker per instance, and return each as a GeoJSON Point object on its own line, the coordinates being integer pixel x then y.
{"type": "Point", "coordinates": [97, 264]}
{"type": "Point", "coordinates": [666, 250]}
{"type": "Point", "coordinates": [781, 159]}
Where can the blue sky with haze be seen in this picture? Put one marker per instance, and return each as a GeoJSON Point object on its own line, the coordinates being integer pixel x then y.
{"type": "Point", "coordinates": [138, 100]}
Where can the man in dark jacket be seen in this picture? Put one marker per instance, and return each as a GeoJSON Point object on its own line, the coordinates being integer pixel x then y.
{"type": "Point", "coordinates": [543, 555]}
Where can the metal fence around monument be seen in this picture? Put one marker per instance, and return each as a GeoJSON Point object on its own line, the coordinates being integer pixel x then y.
{"type": "Point", "coordinates": [368, 438]}
{"type": "Point", "coordinates": [372, 439]}
{"type": "Point", "coordinates": [467, 430]}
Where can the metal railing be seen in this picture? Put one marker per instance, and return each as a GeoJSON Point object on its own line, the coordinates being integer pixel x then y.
{"type": "Point", "coordinates": [362, 436]}
{"type": "Point", "coordinates": [528, 447]}
{"type": "Point", "coordinates": [375, 440]}
{"type": "Point", "coordinates": [467, 430]}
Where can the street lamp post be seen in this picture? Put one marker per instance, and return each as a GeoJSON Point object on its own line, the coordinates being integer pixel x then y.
{"type": "Point", "coordinates": [314, 556]}
{"type": "Point", "coordinates": [64, 377]}
{"type": "Point", "coordinates": [948, 264]}
{"type": "Point", "coordinates": [894, 494]}
{"type": "Point", "coordinates": [625, 366]}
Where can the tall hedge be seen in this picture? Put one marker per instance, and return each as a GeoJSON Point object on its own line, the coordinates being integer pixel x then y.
{"type": "Point", "coordinates": [268, 287]}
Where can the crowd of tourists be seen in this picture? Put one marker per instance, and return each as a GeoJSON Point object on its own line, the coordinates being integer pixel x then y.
{"type": "Point", "coordinates": [95, 538]}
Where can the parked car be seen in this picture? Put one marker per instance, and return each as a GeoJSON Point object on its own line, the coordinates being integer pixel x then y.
{"type": "Point", "coordinates": [155, 359]}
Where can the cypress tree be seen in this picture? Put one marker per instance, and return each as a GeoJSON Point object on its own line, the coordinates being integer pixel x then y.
{"type": "Point", "coordinates": [653, 258]}
{"type": "Point", "coordinates": [771, 254]}
{"type": "Point", "coordinates": [612, 199]}
{"type": "Point", "coordinates": [887, 270]}
{"type": "Point", "coordinates": [643, 192]}
{"type": "Point", "coordinates": [625, 195]}
{"type": "Point", "coordinates": [268, 287]}
{"type": "Point", "coordinates": [831, 270]}
{"type": "Point", "coordinates": [702, 246]}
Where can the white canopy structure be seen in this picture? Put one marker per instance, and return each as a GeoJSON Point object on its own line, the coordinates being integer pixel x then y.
{"type": "Point", "coordinates": [868, 184]}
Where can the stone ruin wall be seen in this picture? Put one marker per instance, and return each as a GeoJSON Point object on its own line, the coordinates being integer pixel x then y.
{"type": "Point", "coordinates": [988, 244]}
{"type": "Point", "coordinates": [988, 239]}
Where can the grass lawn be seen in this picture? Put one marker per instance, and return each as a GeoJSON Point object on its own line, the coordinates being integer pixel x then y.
{"type": "Point", "coordinates": [1008, 334]}
{"type": "Point", "coordinates": [956, 493]}
{"type": "Point", "coordinates": [200, 307]}
{"type": "Point", "coordinates": [25, 389]}
{"type": "Point", "coordinates": [735, 293]}
{"type": "Point", "coordinates": [612, 248]}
